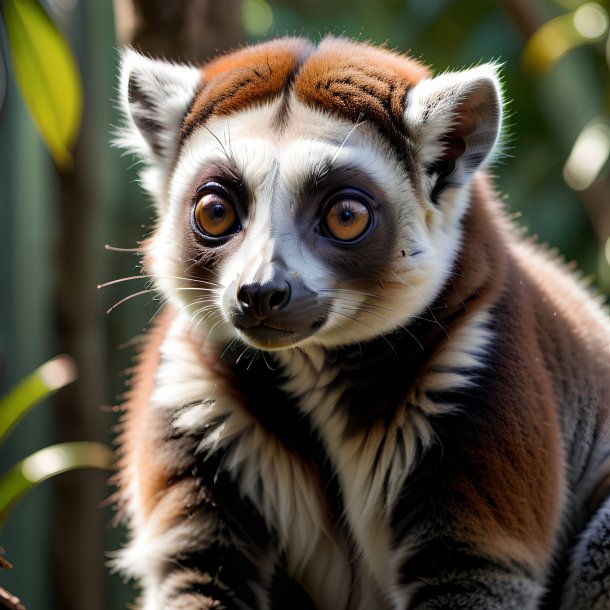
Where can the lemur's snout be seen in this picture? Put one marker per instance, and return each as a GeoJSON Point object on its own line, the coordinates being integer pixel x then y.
{"type": "Point", "coordinates": [262, 299]}
{"type": "Point", "coordinates": [272, 307]}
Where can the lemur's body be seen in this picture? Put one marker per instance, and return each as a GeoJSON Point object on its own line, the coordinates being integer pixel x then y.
{"type": "Point", "coordinates": [427, 424]}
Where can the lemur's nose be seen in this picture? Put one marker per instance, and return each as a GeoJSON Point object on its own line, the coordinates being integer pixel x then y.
{"type": "Point", "coordinates": [261, 300]}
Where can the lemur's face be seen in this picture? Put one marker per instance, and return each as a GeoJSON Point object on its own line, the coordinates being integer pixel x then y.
{"type": "Point", "coordinates": [311, 232]}
{"type": "Point", "coordinates": [284, 222]}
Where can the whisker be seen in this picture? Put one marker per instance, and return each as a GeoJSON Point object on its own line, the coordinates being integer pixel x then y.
{"type": "Point", "coordinates": [149, 290]}
{"type": "Point", "coordinates": [117, 249]}
{"type": "Point", "coordinates": [229, 347]}
{"type": "Point", "coordinates": [356, 340]}
{"type": "Point", "coordinates": [400, 326]}
{"type": "Point", "coordinates": [363, 293]}
{"type": "Point", "coordinates": [457, 292]}
{"type": "Point", "coordinates": [187, 279]}
{"type": "Point", "coordinates": [216, 324]}
{"type": "Point", "coordinates": [129, 297]}
{"type": "Point", "coordinates": [269, 367]}
{"type": "Point", "coordinates": [341, 313]}
{"type": "Point", "coordinates": [411, 287]}
{"type": "Point", "coordinates": [246, 350]}
{"type": "Point", "coordinates": [368, 305]}
{"type": "Point", "coordinates": [357, 124]}
{"type": "Point", "coordinates": [186, 288]}
{"type": "Point", "coordinates": [203, 314]}
{"type": "Point", "coordinates": [222, 146]}
{"type": "Point", "coordinates": [204, 302]}
{"type": "Point", "coordinates": [163, 302]}
{"type": "Point", "coordinates": [327, 165]}
{"type": "Point", "coordinates": [254, 357]}
{"type": "Point", "coordinates": [122, 279]}
{"type": "Point", "coordinates": [354, 309]}
{"type": "Point", "coordinates": [196, 261]}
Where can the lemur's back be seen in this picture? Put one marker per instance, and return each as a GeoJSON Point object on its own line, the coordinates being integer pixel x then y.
{"type": "Point", "coordinates": [365, 391]}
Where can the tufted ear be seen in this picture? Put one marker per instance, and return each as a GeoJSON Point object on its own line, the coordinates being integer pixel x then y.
{"type": "Point", "coordinates": [455, 121]}
{"type": "Point", "coordinates": [155, 95]}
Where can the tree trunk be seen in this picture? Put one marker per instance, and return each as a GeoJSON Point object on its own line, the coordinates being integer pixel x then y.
{"type": "Point", "coordinates": [189, 30]}
{"type": "Point", "coordinates": [183, 30]}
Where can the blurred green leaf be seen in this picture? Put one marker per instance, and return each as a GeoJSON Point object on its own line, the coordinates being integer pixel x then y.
{"type": "Point", "coordinates": [45, 380]}
{"type": "Point", "coordinates": [46, 463]}
{"type": "Point", "coordinates": [587, 24]}
{"type": "Point", "coordinates": [47, 76]}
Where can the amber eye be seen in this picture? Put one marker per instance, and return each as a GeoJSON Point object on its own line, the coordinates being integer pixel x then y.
{"type": "Point", "coordinates": [346, 219]}
{"type": "Point", "coordinates": [215, 214]}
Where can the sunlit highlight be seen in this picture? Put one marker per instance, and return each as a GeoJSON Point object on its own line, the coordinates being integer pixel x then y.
{"type": "Point", "coordinates": [44, 464]}
{"type": "Point", "coordinates": [591, 21]}
{"type": "Point", "coordinates": [58, 372]}
{"type": "Point", "coordinates": [588, 156]}
{"type": "Point", "coordinates": [556, 37]}
{"type": "Point", "coordinates": [257, 17]}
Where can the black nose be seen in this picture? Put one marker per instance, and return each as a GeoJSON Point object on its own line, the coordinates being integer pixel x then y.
{"type": "Point", "coordinates": [260, 300]}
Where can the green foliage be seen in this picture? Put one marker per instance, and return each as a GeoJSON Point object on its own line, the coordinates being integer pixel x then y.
{"type": "Point", "coordinates": [47, 463]}
{"type": "Point", "coordinates": [51, 461]}
{"type": "Point", "coordinates": [46, 379]}
{"type": "Point", "coordinates": [47, 76]}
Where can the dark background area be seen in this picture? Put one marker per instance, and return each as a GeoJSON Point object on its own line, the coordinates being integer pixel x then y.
{"type": "Point", "coordinates": [54, 223]}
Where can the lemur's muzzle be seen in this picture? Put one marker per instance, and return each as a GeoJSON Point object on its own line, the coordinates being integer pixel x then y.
{"type": "Point", "coordinates": [275, 307]}
{"type": "Point", "coordinates": [262, 299]}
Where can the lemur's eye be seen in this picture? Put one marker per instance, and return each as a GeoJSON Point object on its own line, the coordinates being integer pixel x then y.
{"type": "Point", "coordinates": [214, 212]}
{"type": "Point", "coordinates": [346, 217]}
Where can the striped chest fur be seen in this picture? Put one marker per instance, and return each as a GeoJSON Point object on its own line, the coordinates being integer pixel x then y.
{"type": "Point", "coordinates": [364, 391]}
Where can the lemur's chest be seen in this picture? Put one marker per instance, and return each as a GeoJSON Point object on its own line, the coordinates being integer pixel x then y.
{"type": "Point", "coordinates": [283, 446]}
{"type": "Point", "coordinates": [322, 478]}
{"type": "Point", "coordinates": [322, 490]}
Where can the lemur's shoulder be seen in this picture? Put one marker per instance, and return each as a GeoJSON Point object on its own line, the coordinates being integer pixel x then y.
{"type": "Point", "coordinates": [531, 275]}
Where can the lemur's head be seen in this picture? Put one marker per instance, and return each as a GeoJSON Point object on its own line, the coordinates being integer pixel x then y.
{"type": "Point", "coordinates": [306, 194]}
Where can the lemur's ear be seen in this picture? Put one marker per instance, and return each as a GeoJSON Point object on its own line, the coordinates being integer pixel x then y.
{"type": "Point", "coordinates": [455, 120]}
{"type": "Point", "coordinates": [155, 95]}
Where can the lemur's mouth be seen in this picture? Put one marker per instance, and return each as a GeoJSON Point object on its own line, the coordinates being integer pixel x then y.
{"type": "Point", "coordinates": [264, 335]}
{"type": "Point", "coordinates": [275, 313]}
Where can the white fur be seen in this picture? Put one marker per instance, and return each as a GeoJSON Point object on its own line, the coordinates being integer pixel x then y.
{"type": "Point", "coordinates": [170, 87]}
{"type": "Point", "coordinates": [433, 106]}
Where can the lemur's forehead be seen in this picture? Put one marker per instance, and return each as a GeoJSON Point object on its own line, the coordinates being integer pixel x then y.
{"type": "Point", "coordinates": [353, 81]}
{"type": "Point", "coordinates": [312, 146]}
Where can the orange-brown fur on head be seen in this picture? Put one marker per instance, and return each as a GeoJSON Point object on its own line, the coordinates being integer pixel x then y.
{"type": "Point", "coordinates": [245, 78]}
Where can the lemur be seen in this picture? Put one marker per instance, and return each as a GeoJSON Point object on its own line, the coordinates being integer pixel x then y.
{"type": "Point", "coordinates": [365, 390]}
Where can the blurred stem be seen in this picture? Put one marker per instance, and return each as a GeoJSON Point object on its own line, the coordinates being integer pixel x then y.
{"type": "Point", "coordinates": [47, 463]}
{"type": "Point", "coordinates": [45, 380]}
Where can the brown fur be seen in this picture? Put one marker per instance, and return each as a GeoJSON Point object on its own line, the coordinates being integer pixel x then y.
{"type": "Point", "coordinates": [508, 500]}
{"type": "Point", "coordinates": [139, 462]}
{"type": "Point", "coordinates": [250, 76]}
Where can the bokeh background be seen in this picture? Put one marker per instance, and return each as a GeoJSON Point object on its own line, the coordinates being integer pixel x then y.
{"type": "Point", "coordinates": [65, 193]}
